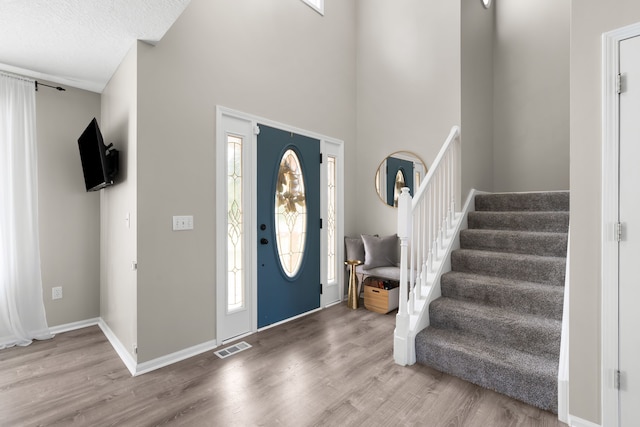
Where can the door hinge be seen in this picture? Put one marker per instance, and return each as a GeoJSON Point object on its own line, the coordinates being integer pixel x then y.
{"type": "Point", "coordinates": [321, 223]}
{"type": "Point", "coordinates": [320, 288]}
{"type": "Point", "coordinates": [320, 158]}
{"type": "Point", "coordinates": [616, 379]}
{"type": "Point", "coordinates": [617, 231]}
{"type": "Point", "coordinates": [256, 130]}
{"type": "Point", "coordinates": [619, 88]}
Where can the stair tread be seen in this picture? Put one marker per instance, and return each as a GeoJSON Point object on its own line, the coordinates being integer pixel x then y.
{"type": "Point", "coordinates": [496, 314]}
{"type": "Point", "coordinates": [517, 233]}
{"type": "Point", "coordinates": [510, 255]}
{"type": "Point", "coordinates": [534, 298]}
{"type": "Point", "coordinates": [535, 268]}
{"type": "Point", "coordinates": [529, 201]}
{"type": "Point", "coordinates": [507, 356]}
{"type": "Point", "coordinates": [502, 281]}
{"type": "Point", "coordinates": [524, 376]}
{"type": "Point", "coordinates": [515, 241]}
{"type": "Point", "coordinates": [523, 331]}
{"type": "Point", "coordinates": [550, 221]}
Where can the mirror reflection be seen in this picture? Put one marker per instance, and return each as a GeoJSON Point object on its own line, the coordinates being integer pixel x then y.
{"type": "Point", "coordinates": [399, 169]}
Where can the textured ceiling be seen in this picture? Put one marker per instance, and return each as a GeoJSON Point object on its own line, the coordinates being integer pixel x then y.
{"type": "Point", "coordinates": [79, 43]}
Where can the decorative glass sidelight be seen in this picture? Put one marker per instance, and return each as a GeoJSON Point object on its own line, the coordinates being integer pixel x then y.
{"type": "Point", "coordinates": [332, 229]}
{"type": "Point", "coordinates": [235, 226]}
{"type": "Point", "coordinates": [290, 213]}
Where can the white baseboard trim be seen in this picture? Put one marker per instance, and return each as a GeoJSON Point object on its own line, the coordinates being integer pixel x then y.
{"type": "Point", "coordinates": [73, 326]}
{"type": "Point", "coordinates": [161, 362]}
{"type": "Point", "coordinates": [579, 422]}
{"type": "Point", "coordinates": [117, 345]}
{"type": "Point", "coordinates": [132, 365]}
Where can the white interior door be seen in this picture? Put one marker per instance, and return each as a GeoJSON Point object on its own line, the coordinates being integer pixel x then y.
{"type": "Point", "coordinates": [629, 249]}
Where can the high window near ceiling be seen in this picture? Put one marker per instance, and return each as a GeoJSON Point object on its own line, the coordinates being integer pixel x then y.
{"type": "Point", "coordinates": [317, 5]}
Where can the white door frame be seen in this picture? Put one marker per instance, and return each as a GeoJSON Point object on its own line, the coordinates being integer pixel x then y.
{"type": "Point", "coordinates": [610, 214]}
{"type": "Point", "coordinates": [332, 292]}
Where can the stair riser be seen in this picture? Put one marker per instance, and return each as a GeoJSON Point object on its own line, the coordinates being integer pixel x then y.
{"type": "Point", "coordinates": [539, 390]}
{"type": "Point", "coordinates": [542, 244]}
{"type": "Point", "coordinates": [549, 201]}
{"type": "Point", "coordinates": [531, 337]}
{"type": "Point", "coordinates": [548, 270]}
{"type": "Point", "coordinates": [538, 302]}
{"type": "Point", "coordinates": [550, 222]}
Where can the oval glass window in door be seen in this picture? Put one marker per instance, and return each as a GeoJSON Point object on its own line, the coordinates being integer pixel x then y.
{"type": "Point", "coordinates": [290, 213]}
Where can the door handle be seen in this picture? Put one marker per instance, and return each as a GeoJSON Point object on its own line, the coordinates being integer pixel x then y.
{"type": "Point", "coordinates": [264, 241]}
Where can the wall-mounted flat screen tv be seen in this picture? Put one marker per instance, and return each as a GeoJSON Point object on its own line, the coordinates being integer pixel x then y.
{"type": "Point", "coordinates": [99, 162]}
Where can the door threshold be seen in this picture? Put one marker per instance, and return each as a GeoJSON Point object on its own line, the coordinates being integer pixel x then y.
{"type": "Point", "coordinates": [264, 328]}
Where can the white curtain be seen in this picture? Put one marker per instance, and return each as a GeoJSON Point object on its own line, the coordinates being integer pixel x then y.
{"type": "Point", "coordinates": [22, 316]}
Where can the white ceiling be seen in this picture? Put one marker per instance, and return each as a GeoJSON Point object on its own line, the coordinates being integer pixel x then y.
{"type": "Point", "coordinates": [79, 43]}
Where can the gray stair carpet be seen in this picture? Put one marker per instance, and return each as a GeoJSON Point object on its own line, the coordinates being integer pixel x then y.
{"type": "Point", "coordinates": [499, 320]}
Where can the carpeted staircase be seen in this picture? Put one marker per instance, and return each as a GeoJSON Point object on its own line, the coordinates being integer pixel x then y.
{"type": "Point", "coordinates": [499, 320]}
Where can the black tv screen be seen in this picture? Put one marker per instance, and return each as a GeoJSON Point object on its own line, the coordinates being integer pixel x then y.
{"type": "Point", "coordinates": [99, 162]}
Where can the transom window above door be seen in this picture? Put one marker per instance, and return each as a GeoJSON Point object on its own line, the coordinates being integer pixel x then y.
{"type": "Point", "coordinates": [317, 5]}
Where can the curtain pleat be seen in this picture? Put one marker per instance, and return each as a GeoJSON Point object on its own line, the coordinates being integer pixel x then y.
{"type": "Point", "coordinates": [22, 313]}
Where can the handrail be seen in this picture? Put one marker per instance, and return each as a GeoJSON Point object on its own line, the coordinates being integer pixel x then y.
{"type": "Point", "coordinates": [454, 135]}
{"type": "Point", "coordinates": [424, 223]}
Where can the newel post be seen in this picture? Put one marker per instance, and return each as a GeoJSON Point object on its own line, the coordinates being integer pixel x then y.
{"type": "Point", "coordinates": [401, 333]}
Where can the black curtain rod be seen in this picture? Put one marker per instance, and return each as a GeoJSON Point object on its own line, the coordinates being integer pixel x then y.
{"type": "Point", "coordinates": [58, 88]}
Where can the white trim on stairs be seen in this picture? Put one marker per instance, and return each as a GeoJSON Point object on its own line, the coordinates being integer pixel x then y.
{"type": "Point", "coordinates": [563, 366]}
{"type": "Point", "coordinates": [579, 422]}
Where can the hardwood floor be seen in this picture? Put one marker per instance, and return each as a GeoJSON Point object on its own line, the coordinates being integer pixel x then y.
{"type": "Point", "coordinates": [332, 368]}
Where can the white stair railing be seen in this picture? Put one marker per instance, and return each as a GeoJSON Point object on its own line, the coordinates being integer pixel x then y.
{"type": "Point", "coordinates": [425, 225]}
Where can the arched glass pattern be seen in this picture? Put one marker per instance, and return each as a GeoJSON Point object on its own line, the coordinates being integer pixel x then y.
{"type": "Point", "coordinates": [290, 213]}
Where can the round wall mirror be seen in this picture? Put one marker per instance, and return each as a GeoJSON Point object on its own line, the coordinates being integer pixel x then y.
{"type": "Point", "coordinates": [397, 170]}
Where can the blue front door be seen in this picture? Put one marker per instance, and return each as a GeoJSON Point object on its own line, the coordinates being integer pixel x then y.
{"type": "Point", "coordinates": [288, 214]}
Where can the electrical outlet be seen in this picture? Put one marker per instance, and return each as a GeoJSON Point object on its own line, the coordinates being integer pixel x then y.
{"type": "Point", "coordinates": [56, 293]}
{"type": "Point", "coordinates": [183, 222]}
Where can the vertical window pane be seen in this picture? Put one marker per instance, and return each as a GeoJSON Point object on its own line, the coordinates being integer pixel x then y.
{"type": "Point", "coordinates": [331, 221]}
{"type": "Point", "coordinates": [290, 213]}
{"type": "Point", "coordinates": [235, 231]}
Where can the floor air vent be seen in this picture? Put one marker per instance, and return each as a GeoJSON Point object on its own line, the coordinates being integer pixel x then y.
{"type": "Point", "coordinates": [231, 350]}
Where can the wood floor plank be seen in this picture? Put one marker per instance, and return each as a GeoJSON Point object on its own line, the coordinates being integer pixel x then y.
{"type": "Point", "coordinates": [332, 368]}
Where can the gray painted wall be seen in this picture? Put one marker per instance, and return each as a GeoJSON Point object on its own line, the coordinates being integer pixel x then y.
{"type": "Point", "coordinates": [69, 217]}
{"type": "Point", "coordinates": [408, 93]}
{"type": "Point", "coordinates": [477, 68]}
{"type": "Point", "coordinates": [531, 95]}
